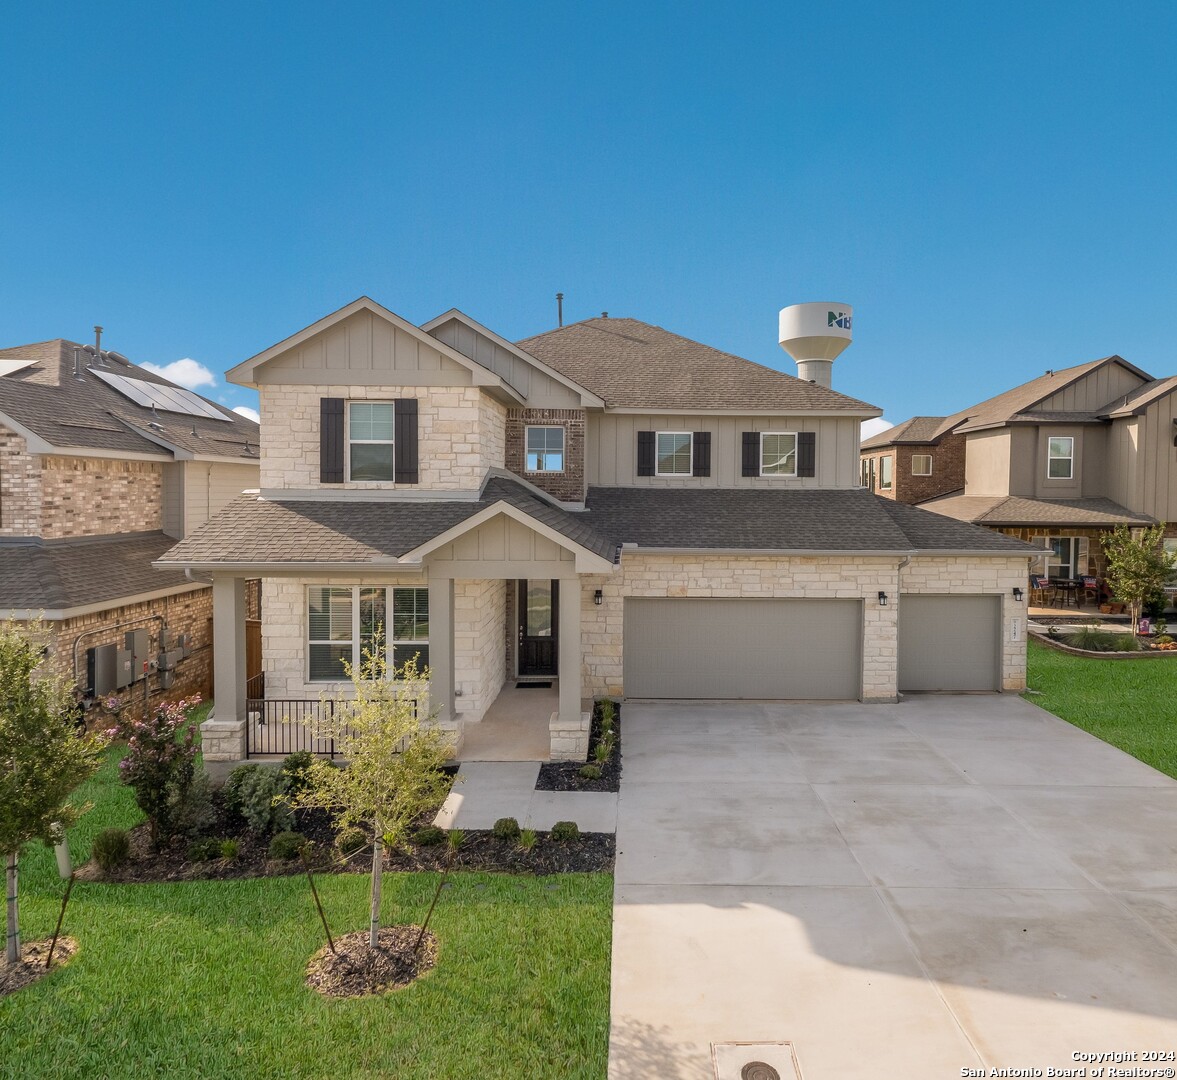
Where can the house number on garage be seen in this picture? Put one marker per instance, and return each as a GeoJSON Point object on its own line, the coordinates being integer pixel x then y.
{"type": "Point", "coordinates": [1015, 630]}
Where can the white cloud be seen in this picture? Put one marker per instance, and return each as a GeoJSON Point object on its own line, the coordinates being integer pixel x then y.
{"type": "Point", "coordinates": [187, 372]}
{"type": "Point", "coordinates": [874, 426]}
{"type": "Point", "coordinates": [248, 413]}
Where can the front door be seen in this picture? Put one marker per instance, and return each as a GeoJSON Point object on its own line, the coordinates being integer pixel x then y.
{"type": "Point", "coordinates": [538, 619]}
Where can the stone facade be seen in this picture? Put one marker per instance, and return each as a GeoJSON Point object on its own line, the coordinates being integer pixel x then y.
{"type": "Point", "coordinates": [818, 576]}
{"type": "Point", "coordinates": [568, 486]}
{"type": "Point", "coordinates": [460, 434]}
{"type": "Point", "coordinates": [20, 487]}
{"type": "Point", "coordinates": [99, 496]}
{"type": "Point", "coordinates": [480, 660]}
{"type": "Point", "coordinates": [947, 469]}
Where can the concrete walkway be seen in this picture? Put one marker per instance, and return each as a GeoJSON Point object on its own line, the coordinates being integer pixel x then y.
{"type": "Point", "coordinates": [909, 891]}
{"type": "Point", "coordinates": [488, 790]}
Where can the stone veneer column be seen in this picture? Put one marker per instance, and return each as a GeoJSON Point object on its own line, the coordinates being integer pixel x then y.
{"type": "Point", "coordinates": [441, 651]}
{"type": "Point", "coordinates": [223, 734]}
{"type": "Point", "coordinates": [569, 726]}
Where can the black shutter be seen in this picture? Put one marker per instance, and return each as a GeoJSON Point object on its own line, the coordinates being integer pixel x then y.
{"type": "Point", "coordinates": [807, 453]}
{"type": "Point", "coordinates": [701, 453]}
{"type": "Point", "coordinates": [751, 453]}
{"type": "Point", "coordinates": [645, 453]}
{"type": "Point", "coordinates": [331, 440]}
{"type": "Point", "coordinates": [405, 440]}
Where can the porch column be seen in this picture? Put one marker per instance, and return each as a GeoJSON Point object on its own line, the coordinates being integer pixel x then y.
{"type": "Point", "coordinates": [441, 650]}
{"type": "Point", "coordinates": [569, 728]}
{"type": "Point", "coordinates": [223, 734]}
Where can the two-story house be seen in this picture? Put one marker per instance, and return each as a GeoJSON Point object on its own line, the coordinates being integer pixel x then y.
{"type": "Point", "coordinates": [914, 461]}
{"type": "Point", "coordinates": [1057, 461]}
{"type": "Point", "coordinates": [608, 506]}
{"type": "Point", "coordinates": [103, 466]}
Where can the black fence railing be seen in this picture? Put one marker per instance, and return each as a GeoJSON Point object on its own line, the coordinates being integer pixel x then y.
{"type": "Point", "coordinates": [282, 726]}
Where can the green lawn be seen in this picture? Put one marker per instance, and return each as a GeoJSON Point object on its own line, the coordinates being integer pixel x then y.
{"type": "Point", "coordinates": [206, 978]}
{"type": "Point", "coordinates": [1128, 703]}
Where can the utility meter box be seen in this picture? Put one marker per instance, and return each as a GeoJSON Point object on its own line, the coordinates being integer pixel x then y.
{"type": "Point", "coordinates": [124, 674]}
{"type": "Point", "coordinates": [137, 643]}
{"type": "Point", "coordinates": [102, 670]}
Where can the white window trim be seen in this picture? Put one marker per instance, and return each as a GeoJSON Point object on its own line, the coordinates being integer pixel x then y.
{"type": "Point", "coordinates": [913, 458]}
{"type": "Point", "coordinates": [348, 440]}
{"type": "Point", "coordinates": [1069, 458]}
{"type": "Point", "coordinates": [887, 485]}
{"type": "Point", "coordinates": [356, 658]}
{"type": "Point", "coordinates": [779, 475]}
{"type": "Point", "coordinates": [691, 450]}
{"type": "Point", "coordinates": [563, 447]}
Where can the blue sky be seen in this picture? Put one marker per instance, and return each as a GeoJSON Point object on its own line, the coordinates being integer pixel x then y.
{"type": "Point", "coordinates": [990, 185]}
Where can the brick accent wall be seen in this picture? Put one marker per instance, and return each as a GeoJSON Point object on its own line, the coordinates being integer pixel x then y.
{"type": "Point", "coordinates": [20, 487]}
{"type": "Point", "coordinates": [947, 469]}
{"type": "Point", "coordinates": [99, 496]}
{"type": "Point", "coordinates": [567, 485]}
{"type": "Point", "coordinates": [460, 434]}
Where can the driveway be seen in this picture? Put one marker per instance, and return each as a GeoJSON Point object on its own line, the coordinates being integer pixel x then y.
{"type": "Point", "coordinates": [909, 890]}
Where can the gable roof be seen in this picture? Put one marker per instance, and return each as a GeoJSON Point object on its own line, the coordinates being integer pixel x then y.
{"type": "Point", "coordinates": [1135, 403]}
{"type": "Point", "coordinates": [631, 364]}
{"type": "Point", "coordinates": [44, 400]}
{"type": "Point", "coordinates": [921, 430]}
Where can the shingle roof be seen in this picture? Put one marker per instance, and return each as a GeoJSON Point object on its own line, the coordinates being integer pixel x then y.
{"type": "Point", "coordinates": [51, 575]}
{"type": "Point", "coordinates": [1012, 510]}
{"type": "Point", "coordinates": [67, 412]}
{"type": "Point", "coordinates": [1142, 397]}
{"type": "Point", "coordinates": [921, 430]}
{"type": "Point", "coordinates": [631, 364]}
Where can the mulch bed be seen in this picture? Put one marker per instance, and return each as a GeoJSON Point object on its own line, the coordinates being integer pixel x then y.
{"type": "Point", "coordinates": [31, 966]}
{"type": "Point", "coordinates": [482, 850]}
{"type": "Point", "coordinates": [357, 970]}
{"type": "Point", "coordinates": [565, 775]}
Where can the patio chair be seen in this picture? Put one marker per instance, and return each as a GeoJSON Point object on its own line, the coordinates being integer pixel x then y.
{"type": "Point", "coordinates": [1092, 589]}
{"type": "Point", "coordinates": [1041, 591]}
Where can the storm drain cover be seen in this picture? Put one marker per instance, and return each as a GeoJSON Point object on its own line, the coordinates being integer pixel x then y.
{"type": "Point", "coordinates": [755, 1061]}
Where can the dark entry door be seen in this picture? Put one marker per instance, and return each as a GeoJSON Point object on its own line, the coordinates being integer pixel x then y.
{"type": "Point", "coordinates": [538, 620]}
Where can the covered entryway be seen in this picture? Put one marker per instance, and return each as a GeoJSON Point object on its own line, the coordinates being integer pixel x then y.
{"type": "Point", "coordinates": [743, 647]}
{"type": "Point", "coordinates": [949, 643]}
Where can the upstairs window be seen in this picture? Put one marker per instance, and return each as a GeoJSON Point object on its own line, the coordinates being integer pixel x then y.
{"type": "Point", "coordinates": [1060, 464]}
{"type": "Point", "coordinates": [921, 464]}
{"type": "Point", "coordinates": [545, 450]}
{"type": "Point", "coordinates": [673, 453]}
{"type": "Point", "coordinates": [370, 440]}
{"type": "Point", "coordinates": [885, 473]}
{"type": "Point", "coordinates": [778, 453]}
{"type": "Point", "coordinates": [868, 473]}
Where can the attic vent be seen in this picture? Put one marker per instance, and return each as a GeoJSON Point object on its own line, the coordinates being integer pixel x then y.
{"type": "Point", "coordinates": [759, 1070]}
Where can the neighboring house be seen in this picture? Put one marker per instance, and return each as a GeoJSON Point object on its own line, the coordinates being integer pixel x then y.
{"type": "Point", "coordinates": [917, 460]}
{"type": "Point", "coordinates": [1057, 461]}
{"type": "Point", "coordinates": [607, 505]}
{"type": "Point", "coordinates": [103, 466]}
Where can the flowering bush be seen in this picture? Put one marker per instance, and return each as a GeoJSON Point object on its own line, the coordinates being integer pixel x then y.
{"type": "Point", "coordinates": [160, 764]}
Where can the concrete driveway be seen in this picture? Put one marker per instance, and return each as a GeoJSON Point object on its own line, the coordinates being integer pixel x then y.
{"type": "Point", "coordinates": [909, 890]}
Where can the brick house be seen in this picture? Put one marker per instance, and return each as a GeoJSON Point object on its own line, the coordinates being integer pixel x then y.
{"type": "Point", "coordinates": [1057, 461]}
{"type": "Point", "coordinates": [608, 508]}
{"type": "Point", "coordinates": [914, 461]}
{"type": "Point", "coordinates": [103, 466]}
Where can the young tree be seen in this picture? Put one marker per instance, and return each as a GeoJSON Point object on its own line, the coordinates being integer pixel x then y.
{"type": "Point", "coordinates": [394, 756]}
{"type": "Point", "coordinates": [42, 758]}
{"type": "Point", "coordinates": [1137, 566]}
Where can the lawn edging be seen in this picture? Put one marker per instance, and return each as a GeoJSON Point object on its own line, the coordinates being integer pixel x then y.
{"type": "Point", "coordinates": [1096, 654]}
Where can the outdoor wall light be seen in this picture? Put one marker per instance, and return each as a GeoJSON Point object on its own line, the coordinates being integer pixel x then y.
{"type": "Point", "coordinates": [598, 598]}
{"type": "Point", "coordinates": [882, 599]}
{"type": "Point", "coordinates": [1017, 594]}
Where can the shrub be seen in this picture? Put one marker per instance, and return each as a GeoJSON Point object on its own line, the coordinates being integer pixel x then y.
{"type": "Point", "coordinates": [608, 712]}
{"type": "Point", "coordinates": [234, 782]}
{"type": "Point", "coordinates": [590, 772]}
{"type": "Point", "coordinates": [1093, 639]}
{"type": "Point", "coordinates": [351, 840]}
{"type": "Point", "coordinates": [455, 838]}
{"type": "Point", "coordinates": [1162, 639]}
{"type": "Point", "coordinates": [204, 850]}
{"type": "Point", "coordinates": [111, 848]}
{"type": "Point", "coordinates": [429, 836]}
{"type": "Point", "coordinates": [603, 751]}
{"type": "Point", "coordinates": [506, 828]}
{"type": "Point", "coordinates": [287, 845]}
{"type": "Point", "coordinates": [565, 830]}
{"type": "Point", "coordinates": [527, 839]}
{"type": "Point", "coordinates": [230, 849]}
{"type": "Point", "coordinates": [260, 797]}
{"type": "Point", "coordinates": [295, 768]}
{"type": "Point", "coordinates": [1124, 643]}
{"type": "Point", "coordinates": [193, 805]}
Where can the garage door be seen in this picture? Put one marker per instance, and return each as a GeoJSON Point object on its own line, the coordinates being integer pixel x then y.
{"type": "Point", "coordinates": [743, 648]}
{"type": "Point", "coordinates": [949, 643]}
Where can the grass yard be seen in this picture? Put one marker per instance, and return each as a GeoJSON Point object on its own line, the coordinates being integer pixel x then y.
{"type": "Point", "coordinates": [206, 978]}
{"type": "Point", "coordinates": [1128, 703]}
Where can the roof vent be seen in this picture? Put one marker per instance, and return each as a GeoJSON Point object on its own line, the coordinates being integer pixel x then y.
{"type": "Point", "coordinates": [814, 335]}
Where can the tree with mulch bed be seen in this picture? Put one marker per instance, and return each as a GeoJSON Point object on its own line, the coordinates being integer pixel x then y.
{"type": "Point", "coordinates": [43, 758]}
{"type": "Point", "coordinates": [394, 776]}
{"type": "Point", "coordinates": [602, 771]}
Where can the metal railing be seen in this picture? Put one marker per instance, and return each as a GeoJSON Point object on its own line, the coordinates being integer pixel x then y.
{"type": "Point", "coordinates": [282, 726]}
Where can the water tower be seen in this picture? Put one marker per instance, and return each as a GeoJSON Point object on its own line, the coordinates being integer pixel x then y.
{"type": "Point", "coordinates": [814, 335]}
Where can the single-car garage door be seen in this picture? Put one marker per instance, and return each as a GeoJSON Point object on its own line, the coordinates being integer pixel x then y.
{"type": "Point", "coordinates": [949, 643]}
{"type": "Point", "coordinates": [743, 648]}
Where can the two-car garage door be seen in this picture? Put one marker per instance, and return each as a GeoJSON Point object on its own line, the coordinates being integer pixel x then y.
{"type": "Point", "coordinates": [769, 648]}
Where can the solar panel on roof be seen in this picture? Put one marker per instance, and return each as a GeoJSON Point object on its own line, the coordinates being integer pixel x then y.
{"type": "Point", "coordinates": [168, 398]}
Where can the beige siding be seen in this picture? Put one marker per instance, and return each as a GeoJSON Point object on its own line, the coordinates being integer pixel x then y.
{"type": "Point", "coordinates": [208, 486]}
{"type": "Point", "coordinates": [1158, 460]}
{"type": "Point", "coordinates": [1093, 392]}
{"type": "Point", "coordinates": [173, 499]}
{"type": "Point", "coordinates": [987, 463]}
{"type": "Point", "coordinates": [612, 450]}
{"type": "Point", "coordinates": [363, 349]}
{"type": "Point", "coordinates": [1092, 449]}
{"type": "Point", "coordinates": [502, 547]}
{"type": "Point", "coordinates": [1044, 486]}
{"type": "Point", "coordinates": [1123, 470]}
{"type": "Point", "coordinates": [539, 389]}
{"type": "Point", "coordinates": [1023, 460]}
